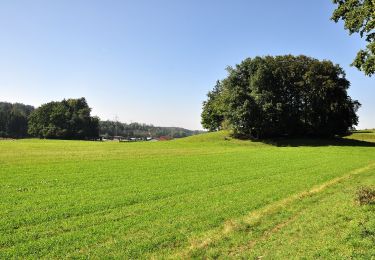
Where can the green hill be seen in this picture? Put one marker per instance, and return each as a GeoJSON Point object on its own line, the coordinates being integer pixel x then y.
{"type": "Point", "coordinates": [207, 195]}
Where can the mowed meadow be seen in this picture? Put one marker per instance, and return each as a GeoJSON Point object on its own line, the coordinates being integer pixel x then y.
{"type": "Point", "coordinates": [203, 196]}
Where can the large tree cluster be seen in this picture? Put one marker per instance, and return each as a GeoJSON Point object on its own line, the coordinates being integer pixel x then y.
{"type": "Point", "coordinates": [14, 119]}
{"type": "Point", "coordinates": [68, 119]}
{"type": "Point", "coordinates": [282, 96]}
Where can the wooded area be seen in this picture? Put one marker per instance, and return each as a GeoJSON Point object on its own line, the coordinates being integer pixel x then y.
{"type": "Point", "coordinates": [14, 119]}
{"type": "Point", "coordinates": [71, 119]}
{"type": "Point", "coordinates": [282, 96]}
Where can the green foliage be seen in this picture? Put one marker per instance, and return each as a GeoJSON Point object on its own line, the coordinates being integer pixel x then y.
{"type": "Point", "coordinates": [14, 119]}
{"type": "Point", "coordinates": [68, 119]}
{"type": "Point", "coordinates": [144, 200]}
{"type": "Point", "coordinates": [282, 96]}
{"type": "Point", "coordinates": [359, 17]}
{"type": "Point", "coordinates": [213, 109]}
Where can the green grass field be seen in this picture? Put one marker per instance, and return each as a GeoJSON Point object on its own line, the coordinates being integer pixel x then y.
{"type": "Point", "coordinates": [203, 196]}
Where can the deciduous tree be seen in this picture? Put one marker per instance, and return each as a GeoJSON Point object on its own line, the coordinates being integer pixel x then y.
{"type": "Point", "coordinates": [68, 119]}
{"type": "Point", "coordinates": [282, 95]}
{"type": "Point", "coordinates": [359, 17]}
{"type": "Point", "coordinates": [14, 119]}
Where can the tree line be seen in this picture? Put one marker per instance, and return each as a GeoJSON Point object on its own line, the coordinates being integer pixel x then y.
{"type": "Point", "coordinates": [66, 119]}
{"type": "Point", "coordinates": [71, 119]}
{"type": "Point", "coordinates": [14, 119]}
{"type": "Point", "coordinates": [110, 129]}
{"type": "Point", "coordinates": [282, 96]}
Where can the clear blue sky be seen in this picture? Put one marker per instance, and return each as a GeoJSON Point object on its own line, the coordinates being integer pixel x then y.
{"type": "Point", "coordinates": [154, 61]}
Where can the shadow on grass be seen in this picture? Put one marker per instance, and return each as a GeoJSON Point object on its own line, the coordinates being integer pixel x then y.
{"type": "Point", "coordinates": [316, 142]}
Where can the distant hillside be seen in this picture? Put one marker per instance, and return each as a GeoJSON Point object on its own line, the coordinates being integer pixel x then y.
{"type": "Point", "coordinates": [138, 130]}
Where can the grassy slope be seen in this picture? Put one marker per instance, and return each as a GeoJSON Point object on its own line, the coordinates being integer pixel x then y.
{"type": "Point", "coordinates": [199, 196]}
{"type": "Point", "coordinates": [328, 224]}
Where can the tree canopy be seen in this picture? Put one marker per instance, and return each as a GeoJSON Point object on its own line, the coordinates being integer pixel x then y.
{"type": "Point", "coordinates": [68, 119]}
{"type": "Point", "coordinates": [359, 17]}
{"type": "Point", "coordinates": [213, 112]}
{"type": "Point", "coordinates": [282, 96]}
{"type": "Point", "coordinates": [14, 119]}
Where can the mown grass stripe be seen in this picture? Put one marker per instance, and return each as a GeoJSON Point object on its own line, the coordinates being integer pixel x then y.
{"type": "Point", "coordinates": [231, 226]}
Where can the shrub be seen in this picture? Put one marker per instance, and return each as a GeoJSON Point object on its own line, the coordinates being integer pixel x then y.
{"type": "Point", "coordinates": [366, 196]}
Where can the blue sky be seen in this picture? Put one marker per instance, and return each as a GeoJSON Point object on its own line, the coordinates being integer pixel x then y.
{"type": "Point", "coordinates": [154, 61]}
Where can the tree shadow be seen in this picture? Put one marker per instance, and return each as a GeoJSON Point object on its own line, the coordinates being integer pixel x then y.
{"type": "Point", "coordinates": [316, 142]}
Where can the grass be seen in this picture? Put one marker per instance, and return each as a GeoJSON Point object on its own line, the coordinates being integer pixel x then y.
{"type": "Point", "coordinates": [203, 196]}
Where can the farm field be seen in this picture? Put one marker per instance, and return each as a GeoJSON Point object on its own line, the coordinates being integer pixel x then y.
{"type": "Point", "coordinates": [203, 196]}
